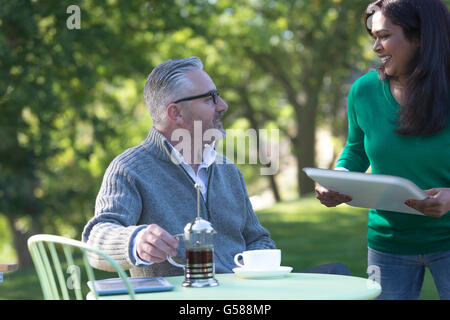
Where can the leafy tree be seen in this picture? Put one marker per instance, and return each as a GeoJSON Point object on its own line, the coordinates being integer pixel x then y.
{"type": "Point", "coordinates": [61, 119]}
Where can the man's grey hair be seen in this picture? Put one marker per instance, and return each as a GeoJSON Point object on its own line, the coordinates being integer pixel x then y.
{"type": "Point", "coordinates": [164, 83]}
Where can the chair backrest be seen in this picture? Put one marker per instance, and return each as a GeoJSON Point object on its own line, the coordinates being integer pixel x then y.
{"type": "Point", "coordinates": [50, 272]}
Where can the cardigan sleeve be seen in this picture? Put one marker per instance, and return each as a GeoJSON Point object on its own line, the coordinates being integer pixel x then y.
{"type": "Point", "coordinates": [117, 210]}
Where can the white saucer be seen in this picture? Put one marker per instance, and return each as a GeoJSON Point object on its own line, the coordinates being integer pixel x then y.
{"type": "Point", "coordinates": [262, 273]}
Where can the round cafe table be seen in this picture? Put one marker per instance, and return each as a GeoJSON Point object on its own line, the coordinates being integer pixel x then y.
{"type": "Point", "coordinates": [293, 286]}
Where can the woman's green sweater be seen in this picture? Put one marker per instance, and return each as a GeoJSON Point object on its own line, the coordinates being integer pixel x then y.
{"type": "Point", "coordinates": [372, 141]}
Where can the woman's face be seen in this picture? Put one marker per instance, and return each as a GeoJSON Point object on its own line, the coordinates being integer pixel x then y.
{"type": "Point", "coordinates": [391, 45]}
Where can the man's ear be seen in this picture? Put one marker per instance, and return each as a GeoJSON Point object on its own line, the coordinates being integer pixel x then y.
{"type": "Point", "coordinates": [175, 113]}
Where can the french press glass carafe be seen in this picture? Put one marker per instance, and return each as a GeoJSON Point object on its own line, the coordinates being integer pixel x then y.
{"type": "Point", "coordinates": [198, 237]}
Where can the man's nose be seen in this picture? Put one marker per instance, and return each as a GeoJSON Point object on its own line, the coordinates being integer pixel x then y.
{"type": "Point", "coordinates": [221, 105]}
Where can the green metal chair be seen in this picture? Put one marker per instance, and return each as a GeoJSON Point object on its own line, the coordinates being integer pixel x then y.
{"type": "Point", "coordinates": [51, 274]}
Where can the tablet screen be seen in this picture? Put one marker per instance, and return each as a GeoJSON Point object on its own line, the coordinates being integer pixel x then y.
{"type": "Point", "coordinates": [139, 284]}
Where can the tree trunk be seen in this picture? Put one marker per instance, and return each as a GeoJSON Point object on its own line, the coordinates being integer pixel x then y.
{"type": "Point", "coordinates": [274, 187]}
{"type": "Point", "coordinates": [249, 113]}
{"type": "Point", "coordinates": [20, 238]}
{"type": "Point", "coordinates": [306, 140]}
{"type": "Point", "coordinates": [306, 185]}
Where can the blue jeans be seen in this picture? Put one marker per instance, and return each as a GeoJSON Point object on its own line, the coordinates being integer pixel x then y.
{"type": "Point", "coordinates": [401, 276]}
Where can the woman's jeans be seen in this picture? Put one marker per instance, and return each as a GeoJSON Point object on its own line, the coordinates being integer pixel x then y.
{"type": "Point", "coordinates": [401, 276]}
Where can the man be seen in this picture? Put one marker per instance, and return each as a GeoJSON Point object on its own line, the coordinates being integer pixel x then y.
{"type": "Point", "coordinates": [148, 192]}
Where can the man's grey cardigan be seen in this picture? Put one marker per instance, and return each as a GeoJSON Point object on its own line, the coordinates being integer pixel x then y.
{"type": "Point", "coordinates": [144, 186]}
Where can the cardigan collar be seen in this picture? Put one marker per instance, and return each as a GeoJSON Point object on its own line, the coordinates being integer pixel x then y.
{"type": "Point", "coordinates": [157, 144]}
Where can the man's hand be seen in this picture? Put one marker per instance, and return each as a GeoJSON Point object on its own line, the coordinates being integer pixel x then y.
{"type": "Point", "coordinates": [155, 243]}
{"type": "Point", "coordinates": [436, 205]}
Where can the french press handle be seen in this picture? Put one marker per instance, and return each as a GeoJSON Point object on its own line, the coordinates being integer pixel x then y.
{"type": "Point", "coordinates": [169, 258]}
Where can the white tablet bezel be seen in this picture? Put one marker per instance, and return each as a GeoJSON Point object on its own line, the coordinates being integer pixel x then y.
{"type": "Point", "coordinates": [382, 192]}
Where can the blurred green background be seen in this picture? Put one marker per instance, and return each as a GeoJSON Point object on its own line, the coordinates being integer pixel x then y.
{"type": "Point", "coordinates": [71, 100]}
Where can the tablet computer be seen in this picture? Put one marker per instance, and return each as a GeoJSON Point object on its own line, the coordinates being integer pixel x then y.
{"type": "Point", "coordinates": [139, 284]}
{"type": "Point", "coordinates": [377, 191]}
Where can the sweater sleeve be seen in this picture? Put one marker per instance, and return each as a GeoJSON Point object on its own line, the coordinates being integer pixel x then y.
{"type": "Point", "coordinates": [255, 235]}
{"type": "Point", "coordinates": [353, 157]}
{"type": "Point", "coordinates": [117, 210]}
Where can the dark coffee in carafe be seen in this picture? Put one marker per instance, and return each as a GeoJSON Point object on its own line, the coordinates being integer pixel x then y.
{"type": "Point", "coordinates": [199, 256]}
{"type": "Point", "coordinates": [199, 263]}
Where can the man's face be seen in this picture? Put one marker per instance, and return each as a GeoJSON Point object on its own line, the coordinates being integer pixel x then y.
{"type": "Point", "coordinates": [202, 110]}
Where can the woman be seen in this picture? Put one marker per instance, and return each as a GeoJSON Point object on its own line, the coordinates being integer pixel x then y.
{"type": "Point", "coordinates": [399, 125]}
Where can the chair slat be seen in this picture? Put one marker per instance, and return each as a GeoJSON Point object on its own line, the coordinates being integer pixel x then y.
{"type": "Point", "coordinates": [40, 270]}
{"type": "Point", "coordinates": [59, 272]}
{"type": "Point", "coordinates": [90, 273]}
{"type": "Point", "coordinates": [39, 254]}
{"type": "Point", "coordinates": [72, 268]}
{"type": "Point", "coordinates": [48, 271]}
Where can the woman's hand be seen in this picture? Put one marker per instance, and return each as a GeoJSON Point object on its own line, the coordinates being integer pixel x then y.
{"type": "Point", "coordinates": [330, 198]}
{"type": "Point", "coordinates": [436, 205]}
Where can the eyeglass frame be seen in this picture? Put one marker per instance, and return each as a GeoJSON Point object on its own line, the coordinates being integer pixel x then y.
{"type": "Point", "coordinates": [213, 93]}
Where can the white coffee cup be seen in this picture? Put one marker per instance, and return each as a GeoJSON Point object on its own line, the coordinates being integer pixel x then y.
{"type": "Point", "coordinates": [259, 259]}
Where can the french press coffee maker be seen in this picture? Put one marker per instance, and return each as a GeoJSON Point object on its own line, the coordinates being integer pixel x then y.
{"type": "Point", "coordinates": [199, 269]}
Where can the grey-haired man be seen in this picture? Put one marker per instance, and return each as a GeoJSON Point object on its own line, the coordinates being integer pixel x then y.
{"type": "Point", "coordinates": [148, 193]}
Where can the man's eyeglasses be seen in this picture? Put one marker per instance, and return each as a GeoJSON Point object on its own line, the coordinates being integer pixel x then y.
{"type": "Point", "coordinates": [213, 93]}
